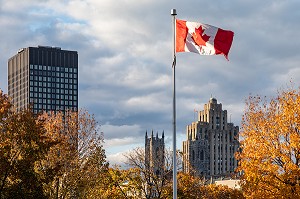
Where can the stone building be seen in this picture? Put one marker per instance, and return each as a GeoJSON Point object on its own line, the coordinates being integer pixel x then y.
{"type": "Point", "coordinates": [155, 153]}
{"type": "Point", "coordinates": [211, 143]}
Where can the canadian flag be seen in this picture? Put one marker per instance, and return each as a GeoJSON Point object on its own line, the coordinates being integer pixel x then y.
{"type": "Point", "coordinates": [202, 38]}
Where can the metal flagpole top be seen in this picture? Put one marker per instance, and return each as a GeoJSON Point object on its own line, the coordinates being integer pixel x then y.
{"type": "Point", "coordinates": [173, 12]}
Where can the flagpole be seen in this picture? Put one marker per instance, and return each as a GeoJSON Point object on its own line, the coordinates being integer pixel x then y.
{"type": "Point", "coordinates": [173, 13]}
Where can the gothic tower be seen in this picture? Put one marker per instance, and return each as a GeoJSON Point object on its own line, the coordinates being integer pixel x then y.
{"type": "Point", "coordinates": [155, 153]}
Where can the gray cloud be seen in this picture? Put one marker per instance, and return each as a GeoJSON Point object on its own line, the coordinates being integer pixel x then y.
{"type": "Point", "coordinates": [125, 56]}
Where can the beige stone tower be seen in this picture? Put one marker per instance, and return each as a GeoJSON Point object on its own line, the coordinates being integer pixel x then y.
{"type": "Point", "coordinates": [211, 143]}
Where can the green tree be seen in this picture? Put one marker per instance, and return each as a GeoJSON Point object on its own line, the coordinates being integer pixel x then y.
{"type": "Point", "coordinates": [270, 155]}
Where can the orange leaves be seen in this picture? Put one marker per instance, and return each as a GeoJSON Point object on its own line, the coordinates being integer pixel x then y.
{"type": "Point", "coordinates": [270, 150]}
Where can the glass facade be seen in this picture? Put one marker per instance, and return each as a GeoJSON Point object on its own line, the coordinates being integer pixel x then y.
{"type": "Point", "coordinates": [45, 77]}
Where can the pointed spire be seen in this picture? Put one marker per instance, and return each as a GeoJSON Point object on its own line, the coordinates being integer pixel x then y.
{"type": "Point", "coordinates": [157, 135]}
{"type": "Point", "coordinates": [163, 134]}
{"type": "Point", "coordinates": [152, 133]}
{"type": "Point", "coordinates": [146, 134]}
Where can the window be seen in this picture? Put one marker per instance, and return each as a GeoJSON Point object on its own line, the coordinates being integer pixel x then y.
{"type": "Point", "coordinates": [193, 155]}
{"type": "Point", "coordinates": [202, 155]}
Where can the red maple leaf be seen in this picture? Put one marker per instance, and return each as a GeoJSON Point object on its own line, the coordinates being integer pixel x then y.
{"type": "Point", "coordinates": [198, 38]}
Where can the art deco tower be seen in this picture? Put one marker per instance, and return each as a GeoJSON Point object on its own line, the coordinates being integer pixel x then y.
{"type": "Point", "coordinates": [211, 143]}
{"type": "Point", "coordinates": [45, 76]}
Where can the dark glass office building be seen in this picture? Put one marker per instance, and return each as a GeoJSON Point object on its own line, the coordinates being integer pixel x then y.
{"type": "Point", "coordinates": [46, 77]}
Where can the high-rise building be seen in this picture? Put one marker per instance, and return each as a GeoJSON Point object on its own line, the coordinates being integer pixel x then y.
{"type": "Point", "coordinates": [155, 153]}
{"type": "Point", "coordinates": [211, 143]}
{"type": "Point", "coordinates": [46, 77]}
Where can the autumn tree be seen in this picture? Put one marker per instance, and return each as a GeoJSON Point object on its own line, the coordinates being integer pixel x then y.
{"type": "Point", "coordinates": [79, 157]}
{"type": "Point", "coordinates": [23, 144]}
{"type": "Point", "coordinates": [142, 180]}
{"type": "Point", "coordinates": [270, 150]}
{"type": "Point", "coordinates": [214, 191]}
{"type": "Point", "coordinates": [194, 187]}
{"type": "Point", "coordinates": [188, 186]}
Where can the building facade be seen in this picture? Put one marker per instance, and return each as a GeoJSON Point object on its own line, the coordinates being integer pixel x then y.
{"type": "Point", "coordinates": [211, 143]}
{"type": "Point", "coordinates": [155, 153]}
{"type": "Point", "coordinates": [46, 77]}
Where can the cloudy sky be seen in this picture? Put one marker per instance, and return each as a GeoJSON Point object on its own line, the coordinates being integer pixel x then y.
{"type": "Point", "coordinates": [125, 57]}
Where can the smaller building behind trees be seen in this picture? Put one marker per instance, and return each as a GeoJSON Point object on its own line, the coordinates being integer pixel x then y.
{"type": "Point", "coordinates": [155, 153]}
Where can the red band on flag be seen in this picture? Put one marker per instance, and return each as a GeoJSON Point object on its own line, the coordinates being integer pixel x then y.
{"type": "Point", "coordinates": [223, 42]}
{"type": "Point", "coordinates": [181, 33]}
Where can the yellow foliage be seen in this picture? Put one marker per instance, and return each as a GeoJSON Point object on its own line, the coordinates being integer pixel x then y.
{"type": "Point", "coordinates": [270, 149]}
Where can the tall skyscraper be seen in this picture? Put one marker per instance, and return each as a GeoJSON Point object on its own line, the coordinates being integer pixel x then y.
{"type": "Point", "coordinates": [45, 76]}
{"type": "Point", "coordinates": [211, 143]}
